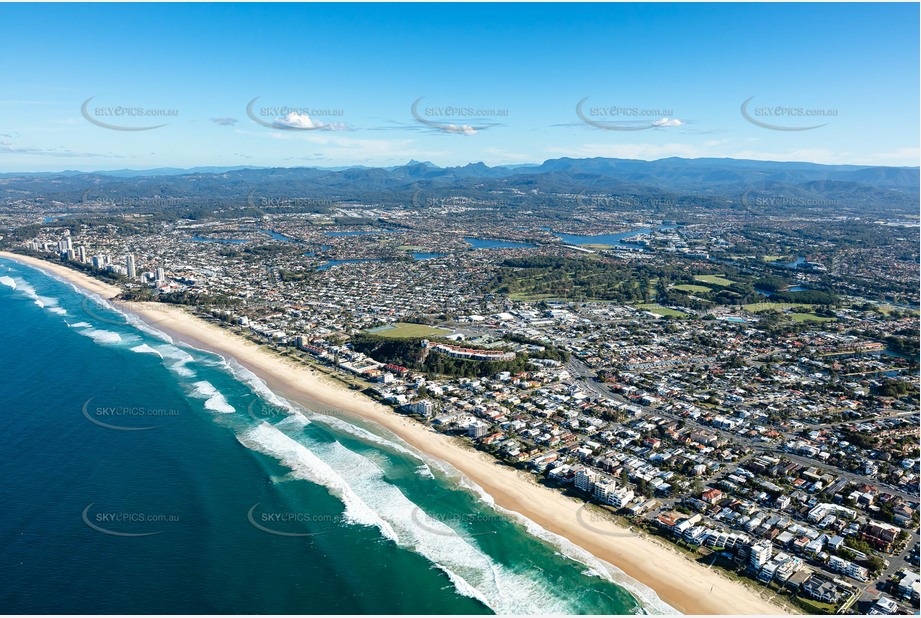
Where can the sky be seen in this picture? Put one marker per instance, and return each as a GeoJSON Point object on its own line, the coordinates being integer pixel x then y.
{"type": "Point", "coordinates": [115, 86]}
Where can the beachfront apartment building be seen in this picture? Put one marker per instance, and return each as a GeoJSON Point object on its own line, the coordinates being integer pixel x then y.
{"type": "Point", "coordinates": [780, 568]}
{"type": "Point", "coordinates": [608, 492]}
{"type": "Point", "coordinates": [759, 555]}
{"type": "Point", "coordinates": [424, 407]}
{"type": "Point", "coordinates": [840, 565]}
{"type": "Point", "coordinates": [585, 479]}
{"type": "Point", "coordinates": [477, 429]}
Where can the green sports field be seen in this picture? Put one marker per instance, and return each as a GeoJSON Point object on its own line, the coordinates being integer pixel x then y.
{"type": "Point", "coordinates": [405, 330]}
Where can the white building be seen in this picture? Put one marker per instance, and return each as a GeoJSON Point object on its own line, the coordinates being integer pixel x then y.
{"type": "Point", "coordinates": [847, 567]}
{"type": "Point", "coordinates": [477, 429]}
{"type": "Point", "coordinates": [607, 491]}
{"type": "Point", "coordinates": [910, 585]}
{"type": "Point", "coordinates": [604, 488]}
{"type": "Point", "coordinates": [760, 555]}
{"type": "Point", "coordinates": [423, 407]}
{"type": "Point", "coordinates": [884, 607]}
{"type": "Point", "coordinates": [585, 479]}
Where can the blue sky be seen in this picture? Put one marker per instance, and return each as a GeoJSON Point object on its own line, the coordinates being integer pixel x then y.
{"type": "Point", "coordinates": [336, 84]}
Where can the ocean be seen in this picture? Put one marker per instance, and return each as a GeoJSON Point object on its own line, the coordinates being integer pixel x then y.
{"type": "Point", "coordinates": [140, 475]}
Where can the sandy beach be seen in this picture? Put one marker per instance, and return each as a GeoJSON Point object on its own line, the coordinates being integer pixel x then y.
{"type": "Point", "coordinates": [86, 282]}
{"type": "Point", "coordinates": [689, 587]}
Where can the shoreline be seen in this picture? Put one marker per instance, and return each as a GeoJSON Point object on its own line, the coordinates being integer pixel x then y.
{"type": "Point", "coordinates": [95, 286]}
{"type": "Point", "coordinates": [684, 585]}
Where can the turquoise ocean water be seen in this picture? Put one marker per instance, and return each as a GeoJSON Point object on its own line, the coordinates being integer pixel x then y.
{"type": "Point", "coordinates": [139, 475]}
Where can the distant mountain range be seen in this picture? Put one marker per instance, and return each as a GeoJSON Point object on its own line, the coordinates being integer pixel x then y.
{"type": "Point", "coordinates": [722, 181]}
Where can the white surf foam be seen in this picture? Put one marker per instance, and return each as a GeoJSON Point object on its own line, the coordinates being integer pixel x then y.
{"type": "Point", "coordinates": [26, 288]}
{"type": "Point", "coordinates": [203, 389]}
{"type": "Point", "coordinates": [176, 359]}
{"type": "Point", "coordinates": [21, 285]}
{"type": "Point", "coordinates": [647, 597]}
{"type": "Point", "coordinates": [394, 444]}
{"type": "Point", "coordinates": [471, 570]}
{"type": "Point", "coordinates": [102, 336]}
{"type": "Point", "coordinates": [58, 310]}
{"type": "Point", "coordinates": [259, 386]}
{"type": "Point", "coordinates": [145, 327]}
{"type": "Point", "coordinates": [182, 370]}
{"type": "Point", "coordinates": [266, 439]}
{"type": "Point", "coordinates": [100, 306]}
{"type": "Point", "coordinates": [515, 597]}
{"type": "Point", "coordinates": [219, 404]}
{"type": "Point", "coordinates": [293, 422]}
{"type": "Point", "coordinates": [81, 325]}
{"type": "Point", "coordinates": [214, 399]}
{"type": "Point", "coordinates": [249, 378]}
{"type": "Point", "coordinates": [145, 349]}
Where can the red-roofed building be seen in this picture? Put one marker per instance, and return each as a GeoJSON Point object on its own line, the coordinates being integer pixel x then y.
{"type": "Point", "coordinates": [711, 496]}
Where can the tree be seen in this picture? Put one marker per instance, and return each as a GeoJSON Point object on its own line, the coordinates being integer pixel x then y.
{"type": "Point", "coordinates": [697, 487]}
{"type": "Point", "coordinates": [875, 565]}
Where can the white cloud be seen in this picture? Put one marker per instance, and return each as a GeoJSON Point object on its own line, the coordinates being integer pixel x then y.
{"type": "Point", "coordinates": [464, 129]}
{"type": "Point", "coordinates": [667, 122]}
{"type": "Point", "coordinates": [293, 120]}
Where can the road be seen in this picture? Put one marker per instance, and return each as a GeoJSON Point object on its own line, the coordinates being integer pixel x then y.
{"type": "Point", "coordinates": [586, 378]}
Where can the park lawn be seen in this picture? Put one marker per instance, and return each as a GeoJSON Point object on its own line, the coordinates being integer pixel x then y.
{"type": "Point", "coordinates": [597, 246]}
{"type": "Point", "coordinates": [714, 280]}
{"type": "Point", "coordinates": [689, 287]}
{"type": "Point", "coordinates": [815, 607]}
{"type": "Point", "coordinates": [796, 317]}
{"type": "Point", "coordinates": [405, 330]}
{"type": "Point", "coordinates": [773, 258]}
{"type": "Point", "coordinates": [525, 297]}
{"type": "Point", "coordinates": [809, 317]}
{"type": "Point", "coordinates": [410, 248]}
{"type": "Point", "coordinates": [660, 310]}
{"type": "Point", "coordinates": [756, 307]}
{"type": "Point", "coordinates": [886, 309]}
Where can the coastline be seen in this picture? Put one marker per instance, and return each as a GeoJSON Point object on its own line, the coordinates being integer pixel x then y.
{"type": "Point", "coordinates": [686, 586]}
{"type": "Point", "coordinates": [95, 286]}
